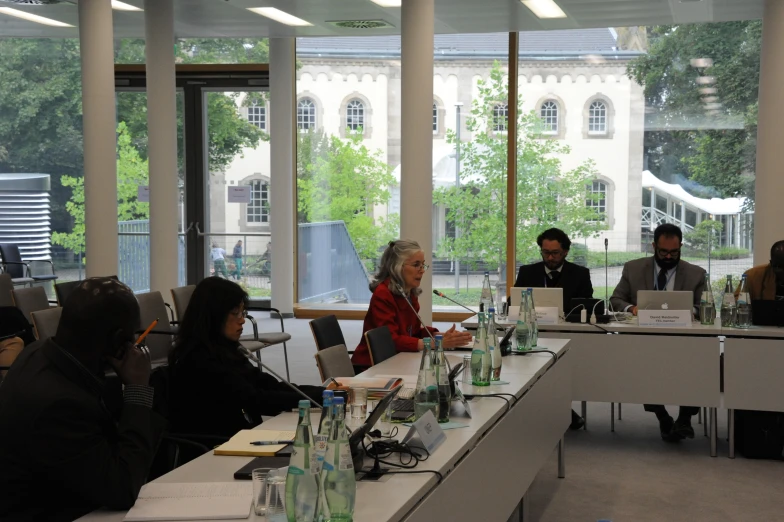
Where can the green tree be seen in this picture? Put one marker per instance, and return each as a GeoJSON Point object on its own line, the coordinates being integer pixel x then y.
{"type": "Point", "coordinates": [547, 194]}
{"type": "Point", "coordinates": [132, 171]}
{"type": "Point", "coordinates": [722, 157]}
{"type": "Point", "coordinates": [343, 181]}
{"type": "Point", "coordinates": [704, 237]}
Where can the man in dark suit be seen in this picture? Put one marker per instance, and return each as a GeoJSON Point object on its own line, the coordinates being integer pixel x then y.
{"type": "Point", "coordinates": [554, 271]}
{"type": "Point", "coordinates": [64, 453]}
{"type": "Point", "coordinates": [665, 271]}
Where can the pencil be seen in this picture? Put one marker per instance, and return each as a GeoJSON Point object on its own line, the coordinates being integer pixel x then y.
{"type": "Point", "coordinates": [142, 336]}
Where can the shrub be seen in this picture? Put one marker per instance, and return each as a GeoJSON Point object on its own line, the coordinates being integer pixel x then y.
{"type": "Point", "coordinates": [730, 253]}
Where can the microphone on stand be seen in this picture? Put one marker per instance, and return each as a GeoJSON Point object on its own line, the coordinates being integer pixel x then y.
{"type": "Point", "coordinates": [440, 294]}
{"type": "Point", "coordinates": [403, 292]}
{"type": "Point", "coordinates": [247, 353]}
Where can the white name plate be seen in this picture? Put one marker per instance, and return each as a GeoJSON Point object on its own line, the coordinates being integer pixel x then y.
{"type": "Point", "coordinates": [547, 315]}
{"type": "Point", "coordinates": [238, 194]}
{"type": "Point", "coordinates": [665, 318]}
{"type": "Point", "coordinates": [512, 314]}
{"type": "Point", "coordinates": [430, 433]}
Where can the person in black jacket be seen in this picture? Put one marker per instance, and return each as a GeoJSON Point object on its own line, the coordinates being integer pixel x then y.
{"type": "Point", "coordinates": [214, 389]}
{"type": "Point", "coordinates": [64, 451]}
{"type": "Point", "coordinates": [554, 271]}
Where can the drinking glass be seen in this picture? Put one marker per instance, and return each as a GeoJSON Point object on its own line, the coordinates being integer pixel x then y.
{"type": "Point", "coordinates": [384, 424]}
{"type": "Point", "coordinates": [276, 495]}
{"type": "Point", "coordinates": [358, 403]}
{"type": "Point", "coordinates": [260, 489]}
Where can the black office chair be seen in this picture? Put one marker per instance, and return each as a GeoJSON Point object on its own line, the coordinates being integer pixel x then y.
{"type": "Point", "coordinates": [20, 270]}
{"type": "Point", "coordinates": [380, 345]}
{"type": "Point", "coordinates": [326, 332]}
{"type": "Point", "coordinates": [63, 290]}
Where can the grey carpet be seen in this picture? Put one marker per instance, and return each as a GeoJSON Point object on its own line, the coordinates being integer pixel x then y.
{"type": "Point", "coordinates": [627, 476]}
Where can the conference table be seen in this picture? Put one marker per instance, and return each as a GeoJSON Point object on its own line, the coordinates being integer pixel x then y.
{"type": "Point", "coordinates": [496, 455]}
{"type": "Point", "coordinates": [622, 362]}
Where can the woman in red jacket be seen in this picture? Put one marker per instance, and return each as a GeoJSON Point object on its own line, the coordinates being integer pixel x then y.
{"type": "Point", "coordinates": [398, 278]}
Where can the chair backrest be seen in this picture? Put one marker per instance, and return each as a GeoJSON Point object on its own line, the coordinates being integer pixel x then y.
{"type": "Point", "coordinates": [334, 362]}
{"type": "Point", "coordinates": [10, 254]}
{"type": "Point", "coordinates": [380, 344]}
{"type": "Point", "coordinates": [46, 321]}
{"type": "Point", "coordinates": [30, 300]}
{"type": "Point", "coordinates": [63, 290]}
{"type": "Point", "coordinates": [6, 286]}
{"type": "Point", "coordinates": [181, 297]}
{"type": "Point", "coordinates": [152, 307]}
{"type": "Point", "coordinates": [326, 332]}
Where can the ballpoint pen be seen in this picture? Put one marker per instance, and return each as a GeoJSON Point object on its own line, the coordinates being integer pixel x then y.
{"type": "Point", "coordinates": [271, 442]}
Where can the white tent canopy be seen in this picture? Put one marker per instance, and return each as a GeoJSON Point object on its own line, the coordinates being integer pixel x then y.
{"type": "Point", "coordinates": [444, 168]}
{"type": "Point", "coordinates": [715, 206]}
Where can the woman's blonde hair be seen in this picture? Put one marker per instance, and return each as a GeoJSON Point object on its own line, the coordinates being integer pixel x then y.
{"type": "Point", "coordinates": [391, 265]}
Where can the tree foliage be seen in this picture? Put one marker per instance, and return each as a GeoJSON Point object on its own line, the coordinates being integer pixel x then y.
{"type": "Point", "coordinates": [704, 237]}
{"type": "Point", "coordinates": [715, 149]}
{"type": "Point", "coordinates": [342, 180]}
{"type": "Point", "coordinates": [548, 195]}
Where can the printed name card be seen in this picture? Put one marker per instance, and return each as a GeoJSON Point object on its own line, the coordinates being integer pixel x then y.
{"type": "Point", "coordinates": [143, 194]}
{"type": "Point", "coordinates": [547, 315]}
{"type": "Point", "coordinates": [239, 194]}
{"type": "Point", "coordinates": [430, 433]}
{"type": "Point", "coordinates": [665, 318]}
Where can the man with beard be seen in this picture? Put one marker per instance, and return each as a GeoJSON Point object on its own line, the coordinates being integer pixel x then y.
{"type": "Point", "coordinates": [766, 282]}
{"type": "Point", "coordinates": [554, 271]}
{"type": "Point", "coordinates": [664, 271]}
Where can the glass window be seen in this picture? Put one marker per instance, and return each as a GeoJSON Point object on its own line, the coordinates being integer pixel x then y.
{"type": "Point", "coordinates": [500, 117]}
{"type": "Point", "coordinates": [435, 118]}
{"type": "Point", "coordinates": [258, 116]}
{"type": "Point", "coordinates": [549, 114]}
{"type": "Point", "coordinates": [306, 115]}
{"type": "Point", "coordinates": [355, 115]}
{"type": "Point", "coordinates": [258, 208]}
{"type": "Point", "coordinates": [597, 118]}
{"type": "Point", "coordinates": [597, 200]}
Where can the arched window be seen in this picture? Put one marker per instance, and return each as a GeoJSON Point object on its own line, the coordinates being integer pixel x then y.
{"type": "Point", "coordinates": [597, 118]}
{"type": "Point", "coordinates": [306, 115]}
{"type": "Point", "coordinates": [355, 115]}
{"type": "Point", "coordinates": [435, 118]}
{"type": "Point", "coordinates": [549, 114]}
{"type": "Point", "coordinates": [257, 210]}
{"type": "Point", "coordinates": [257, 115]}
{"type": "Point", "coordinates": [500, 116]}
{"type": "Point", "coordinates": [597, 200]}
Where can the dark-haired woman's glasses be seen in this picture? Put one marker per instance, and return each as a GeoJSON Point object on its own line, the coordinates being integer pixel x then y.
{"type": "Point", "coordinates": [422, 267]}
{"type": "Point", "coordinates": [238, 314]}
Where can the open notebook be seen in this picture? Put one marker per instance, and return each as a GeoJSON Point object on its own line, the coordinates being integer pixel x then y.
{"type": "Point", "coordinates": [240, 443]}
{"type": "Point", "coordinates": [192, 501]}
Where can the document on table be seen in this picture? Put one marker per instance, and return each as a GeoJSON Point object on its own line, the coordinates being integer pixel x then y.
{"type": "Point", "coordinates": [240, 443]}
{"type": "Point", "coordinates": [192, 501]}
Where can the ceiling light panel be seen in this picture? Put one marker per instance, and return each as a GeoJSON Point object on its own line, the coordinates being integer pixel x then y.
{"type": "Point", "coordinates": [279, 16]}
{"type": "Point", "coordinates": [24, 15]}
{"type": "Point", "coordinates": [122, 6]}
{"type": "Point", "coordinates": [544, 8]}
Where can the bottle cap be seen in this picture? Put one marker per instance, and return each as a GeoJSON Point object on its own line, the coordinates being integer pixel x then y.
{"type": "Point", "coordinates": [439, 336]}
{"type": "Point", "coordinates": [491, 310]}
{"type": "Point", "coordinates": [327, 393]}
{"type": "Point", "coordinates": [304, 404]}
{"type": "Point", "coordinates": [338, 400]}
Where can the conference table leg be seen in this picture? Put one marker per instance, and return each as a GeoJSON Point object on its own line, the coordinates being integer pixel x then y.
{"type": "Point", "coordinates": [713, 431]}
{"type": "Point", "coordinates": [619, 410]}
{"type": "Point", "coordinates": [705, 425]}
{"type": "Point", "coordinates": [612, 417]}
{"type": "Point", "coordinates": [699, 416]}
{"type": "Point", "coordinates": [731, 429]}
{"type": "Point", "coordinates": [585, 415]}
{"type": "Point", "coordinates": [562, 458]}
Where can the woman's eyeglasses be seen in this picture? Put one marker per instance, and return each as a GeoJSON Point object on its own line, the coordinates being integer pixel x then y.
{"type": "Point", "coordinates": [419, 266]}
{"type": "Point", "coordinates": [238, 314]}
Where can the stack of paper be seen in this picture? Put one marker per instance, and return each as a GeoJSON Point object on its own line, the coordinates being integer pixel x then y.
{"type": "Point", "coordinates": [192, 501]}
{"type": "Point", "coordinates": [240, 444]}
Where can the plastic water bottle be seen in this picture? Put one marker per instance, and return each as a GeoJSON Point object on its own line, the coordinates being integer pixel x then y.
{"type": "Point", "coordinates": [707, 304]}
{"type": "Point", "coordinates": [426, 392]}
{"type": "Point", "coordinates": [533, 327]}
{"type": "Point", "coordinates": [728, 305]}
{"type": "Point", "coordinates": [442, 377]}
{"type": "Point", "coordinates": [523, 326]}
{"type": "Point", "coordinates": [743, 308]}
{"type": "Point", "coordinates": [325, 424]}
{"type": "Point", "coordinates": [481, 363]}
{"type": "Point", "coordinates": [302, 489]}
{"type": "Point", "coordinates": [493, 346]}
{"type": "Point", "coordinates": [486, 299]}
{"type": "Point", "coordinates": [338, 484]}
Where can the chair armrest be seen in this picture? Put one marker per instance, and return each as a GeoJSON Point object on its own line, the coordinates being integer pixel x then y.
{"type": "Point", "coordinates": [51, 264]}
{"type": "Point", "coordinates": [23, 263]}
{"type": "Point", "coordinates": [259, 308]}
{"type": "Point", "coordinates": [171, 312]}
{"type": "Point", "coordinates": [255, 327]}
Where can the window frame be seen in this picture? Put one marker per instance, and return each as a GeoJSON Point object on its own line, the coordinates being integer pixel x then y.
{"type": "Point", "coordinates": [609, 131]}
{"type": "Point", "coordinates": [254, 121]}
{"type": "Point", "coordinates": [262, 206]}
{"type": "Point", "coordinates": [313, 126]}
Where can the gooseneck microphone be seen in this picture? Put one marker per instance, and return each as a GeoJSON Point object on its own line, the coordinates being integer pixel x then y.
{"type": "Point", "coordinates": [400, 289]}
{"type": "Point", "coordinates": [247, 353]}
{"type": "Point", "coordinates": [606, 280]}
{"type": "Point", "coordinates": [440, 294]}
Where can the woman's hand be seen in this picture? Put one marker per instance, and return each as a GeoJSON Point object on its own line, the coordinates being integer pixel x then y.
{"type": "Point", "coordinates": [453, 338]}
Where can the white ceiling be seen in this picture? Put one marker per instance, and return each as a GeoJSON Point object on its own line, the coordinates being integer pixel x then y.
{"type": "Point", "coordinates": [230, 18]}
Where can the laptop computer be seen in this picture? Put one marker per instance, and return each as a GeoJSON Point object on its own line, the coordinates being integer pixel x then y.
{"type": "Point", "coordinates": [767, 313]}
{"type": "Point", "coordinates": [543, 298]}
{"type": "Point", "coordinates": [657, 300]}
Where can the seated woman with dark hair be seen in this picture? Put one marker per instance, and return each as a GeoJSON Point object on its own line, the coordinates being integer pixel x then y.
{"type": "Point", "coordinates": [214, 389]}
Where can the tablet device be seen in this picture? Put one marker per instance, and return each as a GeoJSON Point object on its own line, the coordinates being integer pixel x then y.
{"type": "Point", "coordinates": [278, 461]}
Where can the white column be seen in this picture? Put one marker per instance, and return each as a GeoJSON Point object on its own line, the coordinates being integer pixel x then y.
{"type": "Point", "coordinates": [100, 142]}
{"type": "Point", "coordinates": [162, 144]}
{"type": "Point", "coordinates": [416, 178]}
{"type": "Point", "coordinates": [283, 226]}
{"type": "Point", "coordinates": [770, 184]}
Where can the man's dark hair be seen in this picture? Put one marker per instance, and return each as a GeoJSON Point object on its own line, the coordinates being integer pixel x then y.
{"type": "Point", "coordinates": [777, 249]}
{"type": "Point", "coordinates": [667, 230]}
{"type": "Point", "coordinates": [206, 315]}
{"type": "Point", "coordinates": [554, 234]}
{"type": "Point", "coordinates": [97, 309]}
